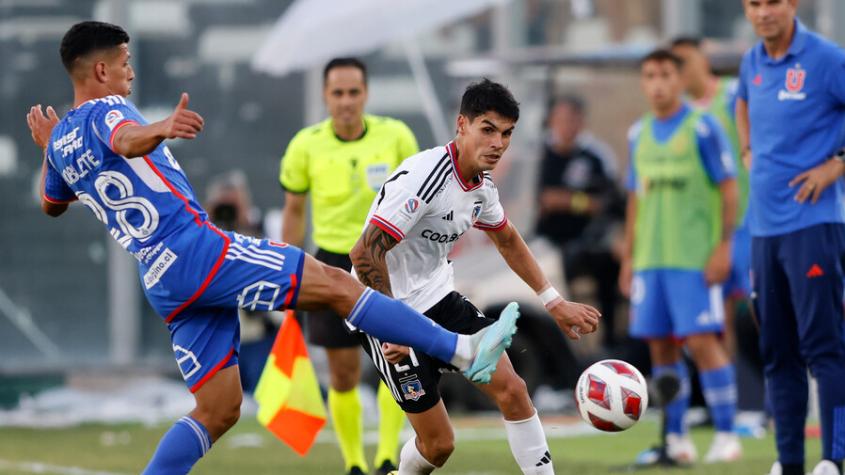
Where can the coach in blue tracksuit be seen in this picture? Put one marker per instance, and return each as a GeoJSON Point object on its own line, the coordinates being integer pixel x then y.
{"type": "Point", "coordinates": [790, 113]}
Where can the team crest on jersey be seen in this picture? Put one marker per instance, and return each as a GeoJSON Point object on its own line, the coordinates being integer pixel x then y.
{"type": "Point", "coordinates": [113, 117]}
{"type": "Point", "coordinates": [412, 389]}
{"type": "Point", "coordinates": [795, 79]}
{"type": "Point", "coordinates": [476, 211]}
{"type": "Point", "coordinates": [412, 205]}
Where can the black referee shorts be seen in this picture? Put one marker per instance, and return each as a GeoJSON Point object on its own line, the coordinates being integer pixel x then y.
{"type": "Point", "coordinates": [413, 382]}
{"type": "Point", "coordinates": [325, 328]}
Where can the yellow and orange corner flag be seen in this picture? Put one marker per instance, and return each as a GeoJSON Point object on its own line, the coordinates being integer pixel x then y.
{"type": "Point", "coordinates": [289, 401]}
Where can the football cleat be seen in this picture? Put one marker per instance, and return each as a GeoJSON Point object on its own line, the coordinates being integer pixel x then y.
{"type": "Point", "coordinates": [490, 343]}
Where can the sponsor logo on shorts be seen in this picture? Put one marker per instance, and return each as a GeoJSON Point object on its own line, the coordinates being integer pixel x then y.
{"type": "Point", "coordinates": [247, 240]}
{"type": "Point", "coordinates": [815, 271]}
{"type": "Point", "coordinates": [113, 117]}
{"type": "Point", "coordinates": [159, 267]}
{"type": "Point", "coordinates": [412, 389]}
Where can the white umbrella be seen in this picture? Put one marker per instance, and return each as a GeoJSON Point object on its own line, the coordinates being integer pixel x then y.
{"type": "Point", "coordinates": [311, 32]}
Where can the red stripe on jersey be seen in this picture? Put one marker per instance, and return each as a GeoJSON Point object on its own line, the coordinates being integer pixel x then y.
{"type": "Point", "coordinates": [452, 150]}
{"type": "Point", "coordinates": [492, 227]}
{"type": "Point", "coordinates": [117, 127]}
{"type": "Point", "coordinates": [200, 223]}
{"type": "Point", "coordinates": [208, 277]}
{"type": "Point", "coordinates": [388, 227]}
{"type": "Point", "coordinates": [174, 190]}
{"type": "Point", "coordinates": [213, 371]}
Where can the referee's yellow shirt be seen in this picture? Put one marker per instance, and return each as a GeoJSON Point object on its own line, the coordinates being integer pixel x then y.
{"type": "Point", "coordinates": [343, 177]}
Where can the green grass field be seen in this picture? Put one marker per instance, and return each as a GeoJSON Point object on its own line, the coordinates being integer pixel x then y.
{"type": "Point", "coordinates": [248, 449]}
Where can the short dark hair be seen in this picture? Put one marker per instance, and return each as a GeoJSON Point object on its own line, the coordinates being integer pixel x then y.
{"type": "Point", "coordinates": [344, 63]}
{"type": "Point", "coordinates": [662, 55]}
{"type": "Point", "coordinates": [89, 36]}
{"type": "Point", "coordinates": [691, 41]}
{"type": "Point", "coordinates": [485, 96]}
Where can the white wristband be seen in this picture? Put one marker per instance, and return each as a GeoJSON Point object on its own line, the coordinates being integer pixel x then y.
{"type": "Point", "coordinates": [549, 295]}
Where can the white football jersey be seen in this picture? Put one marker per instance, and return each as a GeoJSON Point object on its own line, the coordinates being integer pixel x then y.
{"type": "Point", "coordinates": [427, 207]}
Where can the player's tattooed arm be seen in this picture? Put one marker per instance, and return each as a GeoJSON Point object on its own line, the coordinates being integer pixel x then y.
{"type": "Point", "coordinates": [369, 256]}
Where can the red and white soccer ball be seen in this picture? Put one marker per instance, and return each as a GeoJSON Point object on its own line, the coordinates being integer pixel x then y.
{"type": "Point", "coordinates": [611, 395]}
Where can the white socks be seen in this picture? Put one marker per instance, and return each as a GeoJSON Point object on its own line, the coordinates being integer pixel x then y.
{"type": "Point", "coordinates": [412, 462]}
{"type": "Point", "coordinates": [464, 352]}
{"type": "Point", "coordinates": [527, 441]}
{"type": "Point", "coordinates": [529, 446]}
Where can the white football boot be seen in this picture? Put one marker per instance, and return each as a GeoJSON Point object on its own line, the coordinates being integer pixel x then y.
{"type": "Point", "coordinates": [776, 469]}
{"type": "Point", "coordinates": [725, 448]}
{"type": "Point", "coordinates": [825, 467]}
{"type": "Point", "coordinates": [680, 448]}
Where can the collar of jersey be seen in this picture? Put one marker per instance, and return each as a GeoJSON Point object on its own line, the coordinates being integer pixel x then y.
{"type": "Point", "coordinates": [799, 39]}
{"type": "Point", "coordinates": [359, 138]}
{"type": "Point", "coordinates": [452, 150]}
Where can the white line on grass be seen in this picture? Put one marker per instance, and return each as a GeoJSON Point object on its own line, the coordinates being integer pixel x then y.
{"type": "Point", "coordinates": [39, 467]}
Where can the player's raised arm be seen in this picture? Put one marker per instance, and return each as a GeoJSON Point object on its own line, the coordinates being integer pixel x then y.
{"type": "Point", "coordinates": [139, 140]}
{"type": "Point", "coordinates": [369, 258]}
{"type": "Point", "coordinates": [572, 318]}
{"type": "Point", "coordinates": [41, 126]}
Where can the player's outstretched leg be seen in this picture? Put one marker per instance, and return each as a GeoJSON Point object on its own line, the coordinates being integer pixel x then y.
{"type": "Point", "coordinates": [526, 437]}
{"type": "Point", "coordinates": [218, 408]}
{"type": "Point", "coordinates": [392, 321]}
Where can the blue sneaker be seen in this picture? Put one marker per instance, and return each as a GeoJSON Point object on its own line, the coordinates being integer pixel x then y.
{"type": "Point", "coordinates": [491, 343]}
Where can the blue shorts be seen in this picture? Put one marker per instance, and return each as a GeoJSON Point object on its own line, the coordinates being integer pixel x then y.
{"type": "Point", "coordinates": [738, 284]}
{"type": "Point", "coordinates": [249, 273]}
{"type": "Point", "coordinates": [674, 303]}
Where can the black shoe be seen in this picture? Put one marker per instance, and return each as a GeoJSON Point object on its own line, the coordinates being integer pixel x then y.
{"type": "Point", "coordinates": [355, 471]}
{"type": "Point", "coordinates": [385, 468]}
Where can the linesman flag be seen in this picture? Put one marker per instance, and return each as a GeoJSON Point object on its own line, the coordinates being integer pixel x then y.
{"type": "Point", "coordinates": [289, 401]}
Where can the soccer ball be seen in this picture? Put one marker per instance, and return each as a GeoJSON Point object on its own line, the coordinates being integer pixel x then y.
{"type": "Point", "coordinates": [611, 395]}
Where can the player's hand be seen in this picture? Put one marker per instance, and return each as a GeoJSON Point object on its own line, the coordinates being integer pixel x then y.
{"type": "Point", "coordinates": [395, 353]}
{"type": "Point", "coordinates": [41, 126]}
{"type": "Point", "coordinates": [815, 180]}
{"type": "Point", "coordinates": [718, 267]}
{"type": "Point", "coordinates": [574, 319]}
{"type": "Point", "coordinates": [626, 276]}
{"type": "Point", "coordinates": [182, 123]}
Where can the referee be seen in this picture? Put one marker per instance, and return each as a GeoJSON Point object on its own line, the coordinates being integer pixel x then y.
{"type": "Point", "coordinates": [790, 115]}
{"type": "Point", "coordinates": [341, 163]}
